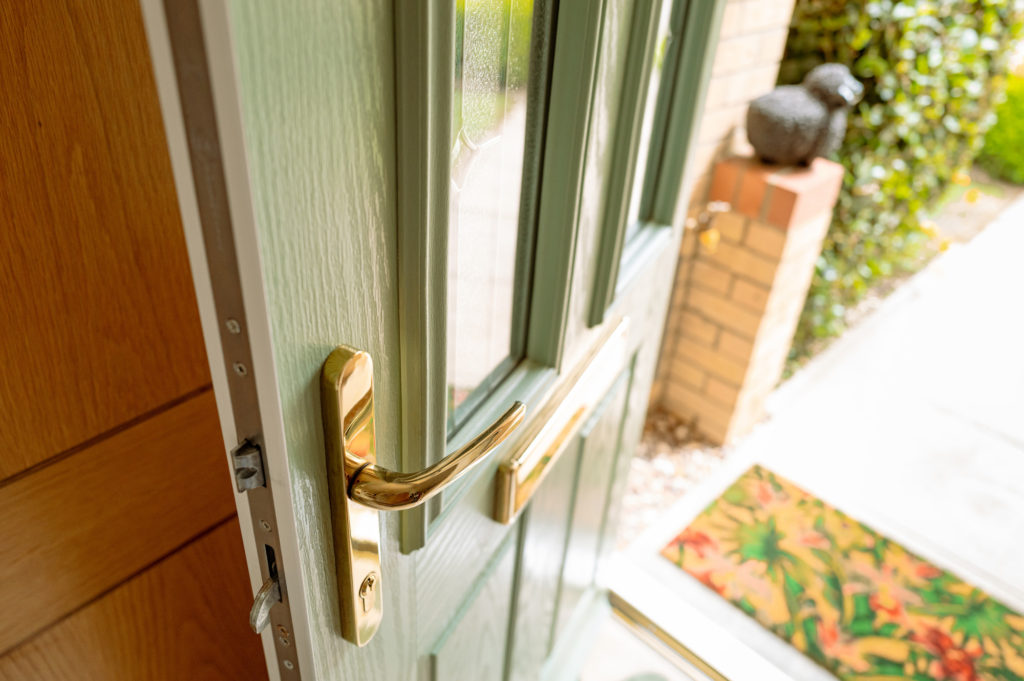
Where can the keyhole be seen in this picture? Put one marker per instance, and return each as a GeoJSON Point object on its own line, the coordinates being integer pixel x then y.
{"type": "Point", "coordinates": [368, 591]}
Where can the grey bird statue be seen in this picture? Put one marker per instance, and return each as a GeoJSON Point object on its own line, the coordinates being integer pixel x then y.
{"type": "Point", "coordinates": [794, 124]}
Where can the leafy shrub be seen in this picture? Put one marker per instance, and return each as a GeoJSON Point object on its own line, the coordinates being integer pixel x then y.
{"type": "Point", "coordinates": [932, 71]}
{"type": "Point", "coordinates": [1003, 153]}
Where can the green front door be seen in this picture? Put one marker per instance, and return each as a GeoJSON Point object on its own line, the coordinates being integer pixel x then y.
{"type": "Point", "coordinates": [481, 195]}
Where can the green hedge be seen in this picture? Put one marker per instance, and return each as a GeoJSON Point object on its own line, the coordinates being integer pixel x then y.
{"type": "Point", "coordinates": [1003, 153]}
{"type": "Point", "coordinates": [932, 71]}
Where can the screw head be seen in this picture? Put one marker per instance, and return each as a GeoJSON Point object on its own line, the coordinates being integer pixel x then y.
{"type": "Point", "coordinates": [233, 326]}
{"type": "Point", "coordinates": [265, 525]}
{"type": "Point", "coordinates": [240, 369]}
{"type": "Point", "coordinates": [288, 664]}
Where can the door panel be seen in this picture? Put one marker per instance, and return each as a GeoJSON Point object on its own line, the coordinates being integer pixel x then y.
{"type": "Point", "coordinates": [93, 263]}
{"type": "Point", "coordinates": [545, 535]}
{"type": "Point", "coordinates": [480, 630]}
{"type": "Point", "coordinates": [67, 537]}
{"type": "Point", "coordinates": [599, 443]}
{"type": "Point", "coordinates": [608, 84]}
{"type": "Point", "coordinates": [173, 621]}
{"type": "Point", "coordinates": [350, 241]}
{"type": "Point", "coordinates": [315, 87]}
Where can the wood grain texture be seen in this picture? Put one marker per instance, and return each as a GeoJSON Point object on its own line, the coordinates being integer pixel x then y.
{"type": "Point", "coordinates": [316, 84]}
{"type": "Point", "coordinates": [78, 527]}
{"type": "Point", "coordinates": [183, 618]}
{"type": "Point", "coordinates": [474, 650]}
{"type": "Point", "coordinates": [98, 302]}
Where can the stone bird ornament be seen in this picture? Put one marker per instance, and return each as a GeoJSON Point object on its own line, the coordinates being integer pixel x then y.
{"type": "Point", "coordinates": [794, 124]}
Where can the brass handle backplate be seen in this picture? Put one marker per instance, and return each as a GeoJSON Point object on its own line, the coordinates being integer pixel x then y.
{"type": "Point", "coordinates": [359, 488]}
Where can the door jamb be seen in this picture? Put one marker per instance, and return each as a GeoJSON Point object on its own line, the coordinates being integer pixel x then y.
{"type": "Point", "coordinates": [201, 105]}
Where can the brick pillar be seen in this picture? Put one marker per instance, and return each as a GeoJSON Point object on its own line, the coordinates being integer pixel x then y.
{"type": "Point", "coordinates": [745, 287]}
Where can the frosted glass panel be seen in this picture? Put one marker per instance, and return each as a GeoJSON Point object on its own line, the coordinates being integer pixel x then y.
{"type": "Point", "coordinates": [650, 105]}
{"type": "Point", "coordinates": [492, 57]}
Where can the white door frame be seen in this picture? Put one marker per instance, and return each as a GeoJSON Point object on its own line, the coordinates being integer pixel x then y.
{"type": "Point", "coordinates": [284, 660]}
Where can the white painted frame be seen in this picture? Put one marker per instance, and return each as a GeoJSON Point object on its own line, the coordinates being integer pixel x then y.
{"type": "Point", "coordinates": [223, 74]}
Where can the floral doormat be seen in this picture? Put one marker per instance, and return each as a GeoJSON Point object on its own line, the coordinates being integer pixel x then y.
{"type": "Point", "coordinates": [855, 602]}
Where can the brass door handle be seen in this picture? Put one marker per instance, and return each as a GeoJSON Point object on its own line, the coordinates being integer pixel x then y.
{"type": "Point", "coordinates": [359, 488]}
{"type": "Point", "coordinates": [385, 490]}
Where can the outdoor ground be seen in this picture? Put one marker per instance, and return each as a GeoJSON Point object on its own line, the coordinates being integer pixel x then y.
{"type": "Point", "coordinates": [912, 422]}
{"type": "Point", "coordinates": [672, 458]}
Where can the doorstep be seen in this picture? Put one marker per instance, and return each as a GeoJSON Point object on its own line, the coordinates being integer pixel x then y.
{"type": "Point", "coordinates": [712, 634]}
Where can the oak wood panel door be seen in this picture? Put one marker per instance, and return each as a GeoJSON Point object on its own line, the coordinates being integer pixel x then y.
{"type": "Point", "coordinates": [482, 195]}
{"type": "Point", "coordinates": [120, 558]}
{"type": "Point", "coordinates": [152, 627]}
{"type": "Point", "coordinates": [92, 259]}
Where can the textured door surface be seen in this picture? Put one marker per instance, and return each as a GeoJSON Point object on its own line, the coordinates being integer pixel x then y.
{"type": "Point", "coordinates": [402, 165]}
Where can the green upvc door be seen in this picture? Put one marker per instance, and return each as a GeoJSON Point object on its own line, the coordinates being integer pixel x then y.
{"type": "Point", "coordinates": [483, 195]}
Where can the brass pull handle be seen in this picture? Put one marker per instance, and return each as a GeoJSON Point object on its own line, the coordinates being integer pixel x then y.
{"type": "Point", "coordinates": [521, 474]}
{"type": "Point", "coordinates": [359, 488]}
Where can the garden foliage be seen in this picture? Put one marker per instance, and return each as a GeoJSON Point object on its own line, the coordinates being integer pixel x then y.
{"type": "Point", "coordinates": [933, 71]}
{"type": "Point", "coordinates": [1003, 153]}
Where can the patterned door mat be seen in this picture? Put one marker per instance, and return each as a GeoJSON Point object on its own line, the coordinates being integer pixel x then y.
{"type": "Point", "coordinates": [852, 600]}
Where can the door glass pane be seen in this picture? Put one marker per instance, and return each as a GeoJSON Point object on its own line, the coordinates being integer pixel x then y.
{"type": "Point", "coordinates": [643, 159]}
{"type": "Point", "coordinates": [492, 59]}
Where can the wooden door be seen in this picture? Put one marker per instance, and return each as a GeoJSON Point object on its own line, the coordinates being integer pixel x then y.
{"type": "Point", "coordinates": [120, 556]}
{"type": "Point", "coordinates": [482, 196]}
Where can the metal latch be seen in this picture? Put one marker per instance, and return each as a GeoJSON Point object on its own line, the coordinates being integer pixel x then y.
{"type": "Point", "coordinates": [248, 462]}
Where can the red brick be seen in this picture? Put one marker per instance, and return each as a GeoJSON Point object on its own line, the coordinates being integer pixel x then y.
{"type": "Point", "coordinates": [800, 194]}
{"type": "Point", "coordinates": [750, 198]}
{"type": "Point", "coordinates": [725, 181]}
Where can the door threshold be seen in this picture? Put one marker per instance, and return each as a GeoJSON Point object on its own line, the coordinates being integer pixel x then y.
{"type": "Point", "coordinates": [682, 633]}
{"type": "Point", "coordinates": [659, 640]}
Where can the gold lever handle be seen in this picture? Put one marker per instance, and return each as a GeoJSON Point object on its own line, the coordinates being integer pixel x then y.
{"type": "Point", "coordinates": [386, 490]}
{"type": "Point", "coordinates": [359, 488]}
